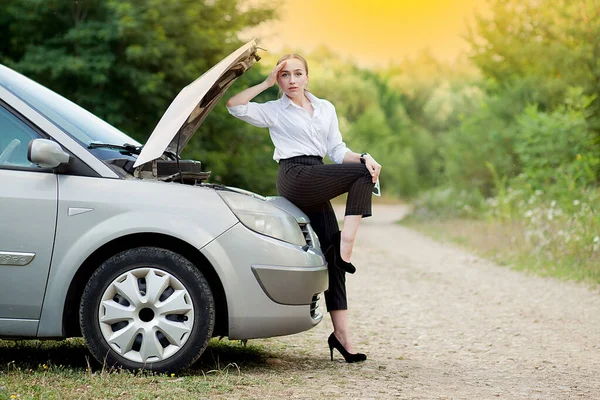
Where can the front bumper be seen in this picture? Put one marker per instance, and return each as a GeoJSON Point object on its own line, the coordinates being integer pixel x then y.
{"type": "Point", "coordinates": [289, 285]}
{"type": "Point", "coordinates": [270, 285]}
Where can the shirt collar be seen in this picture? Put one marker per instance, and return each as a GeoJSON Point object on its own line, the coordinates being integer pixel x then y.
{"type": "Point", "coordinates": [314, 100]}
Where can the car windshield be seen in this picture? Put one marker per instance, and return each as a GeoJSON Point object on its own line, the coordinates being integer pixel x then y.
{"type": "Point", "coordinates": [77, 122]}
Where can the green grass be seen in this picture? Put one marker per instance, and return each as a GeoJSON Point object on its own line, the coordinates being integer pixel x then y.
{"type": "Point", "coordinates": [505, 243]}
{"type": "Point", "coordinates": [555, 232]}
{"type": "Point", "coordinates": [66, 370]}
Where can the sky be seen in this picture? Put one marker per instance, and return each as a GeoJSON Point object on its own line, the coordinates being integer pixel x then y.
{"type": "Point", "coordinates": [372, 32]}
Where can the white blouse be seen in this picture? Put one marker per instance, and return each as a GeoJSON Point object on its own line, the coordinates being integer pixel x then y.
{"type": "Point", "coordinates": [293, 130]}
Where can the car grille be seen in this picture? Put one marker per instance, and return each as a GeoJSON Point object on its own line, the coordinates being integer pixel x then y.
{"type": "Point", "coordinates": [310, 236]}
{"type": "Point", "coordinates": [307, 235]}
{"type": "Point", "coordinates": [315, 313]}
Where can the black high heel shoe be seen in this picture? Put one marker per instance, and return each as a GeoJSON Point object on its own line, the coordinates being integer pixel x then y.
{"type": "Point", "coordinates": [334, 343]}
{"type": "Point", "coordinates": [334, 254]}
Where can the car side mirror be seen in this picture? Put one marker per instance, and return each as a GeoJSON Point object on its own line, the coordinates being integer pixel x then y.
{"type": "Point", "coordinates": [46, 153]}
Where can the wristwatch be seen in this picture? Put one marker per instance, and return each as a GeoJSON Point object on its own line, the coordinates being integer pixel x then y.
{"type": "Point", "coordinates": [362, 157]}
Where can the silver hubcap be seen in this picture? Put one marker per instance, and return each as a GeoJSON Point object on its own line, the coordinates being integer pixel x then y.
{"type": "Point", "coordinates": [146, 315]}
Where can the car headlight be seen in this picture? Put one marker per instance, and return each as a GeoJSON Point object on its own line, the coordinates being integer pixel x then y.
{"type": "Point", "coordinates": [264, 218]}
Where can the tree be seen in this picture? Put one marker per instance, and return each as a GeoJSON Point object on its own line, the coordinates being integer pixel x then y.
{"type": "Point", "coordinates": [534, 54]}
{"type": "Point", "coordinates": [542, 45]}
{"type": "Point", "coordinates": [125, 60]}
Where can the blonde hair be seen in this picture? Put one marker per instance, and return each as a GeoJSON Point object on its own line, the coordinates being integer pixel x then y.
{"type": "Point", "coordinates": [296, 56]}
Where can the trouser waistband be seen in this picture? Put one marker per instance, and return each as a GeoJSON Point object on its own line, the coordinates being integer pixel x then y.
{"type": "Point", "coordinates": [301, 159]}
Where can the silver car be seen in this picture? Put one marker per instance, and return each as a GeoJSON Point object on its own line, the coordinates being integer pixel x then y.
{"type": "Point", "coordinates": [129, 246]}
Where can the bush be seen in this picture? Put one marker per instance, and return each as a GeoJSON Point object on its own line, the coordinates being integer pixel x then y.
{"type": "Point", "coordinates": [482, 138]}
{"type": "Point", "coordinates": [449, 202]}
{"type": "Point", "coordinates": [556, 148]}
{"type": "Point", "coordinates": [560, 229]}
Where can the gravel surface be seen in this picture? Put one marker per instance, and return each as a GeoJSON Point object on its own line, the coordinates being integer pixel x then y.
{"type": "Point", "coordinates": [439, 323]}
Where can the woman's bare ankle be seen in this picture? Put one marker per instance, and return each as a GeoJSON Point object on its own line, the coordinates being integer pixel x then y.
{"type": "Point", "coordinates": [344, 339]}
{"type": "Point", "coordinates": [346, 247]}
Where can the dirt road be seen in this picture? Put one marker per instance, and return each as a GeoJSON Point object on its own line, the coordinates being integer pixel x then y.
{"type": "Point", "coordinates": [439, 323]}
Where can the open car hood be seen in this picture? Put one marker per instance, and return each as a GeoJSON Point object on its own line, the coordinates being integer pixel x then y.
{"type": "Point", "coordinates": [194, 102]}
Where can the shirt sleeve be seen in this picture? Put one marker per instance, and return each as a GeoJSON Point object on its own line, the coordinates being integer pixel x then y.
{"type": "Point", "coordinates": [336, 148]}
{"type": "Point", "coordinates": [262, 115]}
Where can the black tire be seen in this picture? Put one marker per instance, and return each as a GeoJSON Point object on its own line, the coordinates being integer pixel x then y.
{"type": "Point", "coordinates": [185, 282]}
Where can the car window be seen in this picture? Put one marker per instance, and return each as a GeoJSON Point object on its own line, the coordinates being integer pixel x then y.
{"type": "Point", "coordinates": [77, 122]}
{"type": "Point", "coordinates": [15, 136]}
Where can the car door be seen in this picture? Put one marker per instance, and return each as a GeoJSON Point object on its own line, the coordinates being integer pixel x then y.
{"type": "Point", "coordinates": [28, 208]}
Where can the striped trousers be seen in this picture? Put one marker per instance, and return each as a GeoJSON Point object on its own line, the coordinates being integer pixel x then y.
{"type": "Point", "coordinates": [310, 185]}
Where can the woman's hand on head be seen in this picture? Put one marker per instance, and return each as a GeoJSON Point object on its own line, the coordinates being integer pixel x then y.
{"type": "Point", "coordinates": [272, 78]}
{"type": "Point", "coordinates": [373, 167]}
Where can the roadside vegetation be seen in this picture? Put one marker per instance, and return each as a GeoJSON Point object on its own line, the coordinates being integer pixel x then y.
{"type": "Point", "coordinates": [525, 230]}
{"type": "Point", "coordinates": [519, 173]}
{"type": "Point", "coordinates": [66, 370]}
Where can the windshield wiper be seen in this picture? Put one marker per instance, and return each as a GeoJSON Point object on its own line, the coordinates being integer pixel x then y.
{"type": "Point", "coordinates": [126, 147]}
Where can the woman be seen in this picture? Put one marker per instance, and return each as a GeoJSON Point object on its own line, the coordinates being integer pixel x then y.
{"type": "Point", "coordinates": [303, 129]}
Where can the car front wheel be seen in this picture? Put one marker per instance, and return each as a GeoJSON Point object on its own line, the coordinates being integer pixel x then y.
{"type": "Point", "coordinates": [147, 308]}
